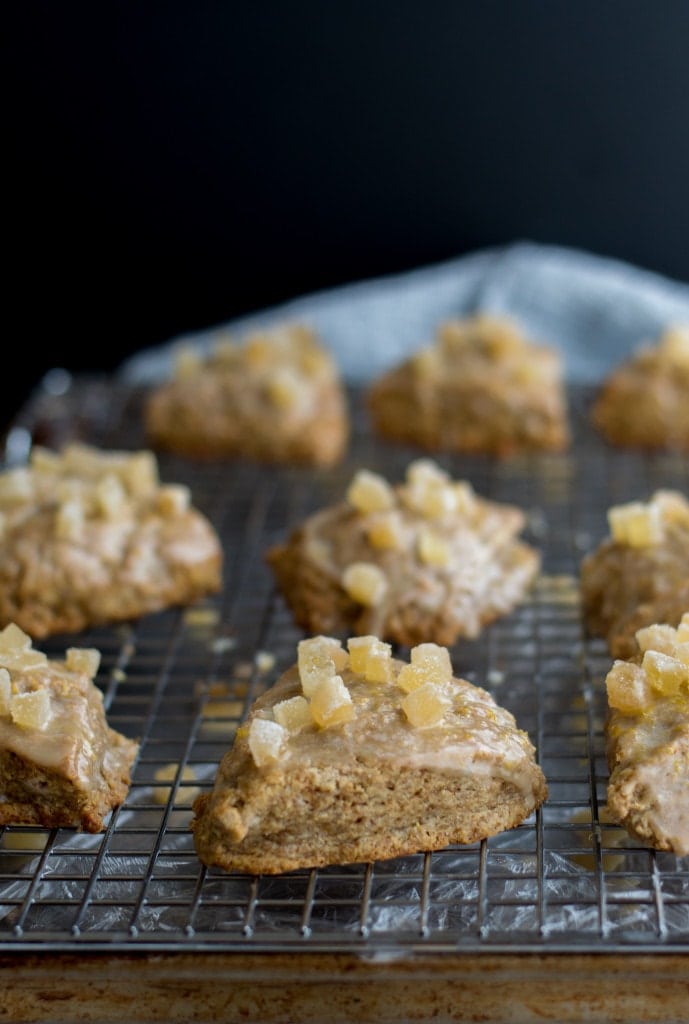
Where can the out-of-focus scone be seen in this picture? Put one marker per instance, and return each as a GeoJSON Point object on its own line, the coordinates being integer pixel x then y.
{"type": "Point", "coordinates": [639, 574]}
{"type": "Point", "coordinates": [354, 756]}
{"type": "Point", "coordinates": [274, 397]}
{"type": "Point", "coordinates": [647, 738]}
{"type": "Point", "coordinates": [91, 537]}
{"type": "Point", "coordinates": [426, 559]}
{"type": "Point", "coordinates": [61, 764]}
{"type": "Point", "coordinates": [480, 387]}
{"type": "Point", "coordinates": [644, 402]}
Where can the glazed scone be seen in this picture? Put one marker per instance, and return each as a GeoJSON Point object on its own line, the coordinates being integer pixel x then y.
{"type": "Point", "coordinates": [480, 387]}
{"type": "Point", "coordinates": [647, 738]}
{"type": "Point", "coordinates": [61, 764]}
{"type": "Point", "coordinates": [427, 559]}
{"type": "Point", "coordinates": [91, 537]}
{"type": "Point", "coordinates": [274, 397]}
{"type": "Point", "coordinates": [354, 756]}
{"type": "Point", "coordinates": [644, 402]}
{"type": "Point", "coordinates": [639, 574]}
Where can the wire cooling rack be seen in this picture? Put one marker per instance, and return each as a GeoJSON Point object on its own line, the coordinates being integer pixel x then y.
{"type": "Point", "coordinates": [181, 681]}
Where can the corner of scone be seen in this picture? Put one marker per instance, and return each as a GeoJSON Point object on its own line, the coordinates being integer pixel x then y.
{"type": "Point", "coordinates": [354, 755]}
{"type": "Point", "coordinates": [61, 765]}
{"type": "Point", "coordinates": [647, 736]}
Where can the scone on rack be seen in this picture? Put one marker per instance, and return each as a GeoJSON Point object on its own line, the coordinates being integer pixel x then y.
{"type": "Point", "coordinates": [61, 764]}
{"type": "Point", "coordinates": [425, 559]}
{"type": "Point", "coordinates": [354, 756]}
{"type": "Point", "coordinates": [644, 402]}
{"type": "Point", "coordinates": [647, 738]}
{"type": "Point", "coordinates": [276, 396]}
{"type": "Point", "coordinates": [481, 387]}
{"type": "Point", "coordinates": [639, 574]}
{"type": "Point", "coordinates": [91, 537]}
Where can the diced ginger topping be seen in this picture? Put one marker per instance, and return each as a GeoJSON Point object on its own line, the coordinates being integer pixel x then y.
{"type": "Point", "coordinates": [627, 687]}
{"type": "Point", "coordinates": [434, 660]}
{"type": "Point", "coordinates": [293, 714]}
{"type": "Point", "coordinates": [319, 658]}
{"type": "Point", "coordinates": [665, 673]}
{"type": "Point", "coordinates": [31, 710]}
{"type": "Point", "coordinates": [365, 583]}
{"type": "Point", "coordinates": [638, 524]}
{"type": "Point", "coordinates": [385, 531]}
{"type": "Point", "coordinates": [284, 388]}
{"type": "Point", "coordinates": [267, 741]}
{"type": "Point", "coordinates": [111, 497]}
{"type": "Point", "coordinates": [378, 667]}
{"type": "Point", "coordinates": [425, 706]}
{"type": "Point", "coordinates": [657, 637]}
{"type": "Point", "coordinates": [83, 659]}
{"type": "Point", "coordinates": [14, 639]}
{"type": "Point", "coordinates": [370, 492]}
{"type": "Point", "coordinates": [173, 500]}
{"type": "Point", "coordinates": [5, 691]}
{"type": "Point", "coordinates": [411, 677]}
{"type": "Point", "coordinates": [432, 549]}
{"type": "Point", "coordinates": [358, 647]}
{"type": "Point", "coordinates": [16, 486]}
{"type": "Point", "coordinates": [683, 629]}
{"type": "Point", "coordinates": [16, 652]}
{"type": "Point", "coordinates": [168, 773]}
{"type": "Point", "coordinates": [69, 520]}
{"type": "Point", "coordinates": [331, 703]}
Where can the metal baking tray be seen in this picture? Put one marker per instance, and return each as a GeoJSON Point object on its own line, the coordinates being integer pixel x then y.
{"type": "Point", "coordinates": [182, 680]}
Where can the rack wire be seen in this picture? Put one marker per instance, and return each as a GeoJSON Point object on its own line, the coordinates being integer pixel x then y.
{"type": "Point", "coordinates": [181, 681]}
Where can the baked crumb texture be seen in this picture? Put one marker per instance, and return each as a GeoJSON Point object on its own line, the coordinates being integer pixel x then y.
{"type": "Point", "coordinates": [274, 397]}
{"type": "Point", "coordinates": [354, 755]}
{"type": "Point", "coordinates": [644, 402]}
{"type": "Point", "coordinates": [481, 386]}
{"type": "Point", "coordinates": [90, 537]}
{"type": "Point", "coordinates": [647, 735]}
{"type": "Point", "coordinates": [639, 574]}
{"type": "Point", "coordinates": [61, 765]}
{"type": "Point", "coordinates": [427, 559]}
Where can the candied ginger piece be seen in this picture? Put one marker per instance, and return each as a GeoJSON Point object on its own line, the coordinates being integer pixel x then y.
{"type": "Point", "coordinates": [386, 532]}
{"type": "Point", "coordinates": [318, 658]}
{"type": "Point", "coordinates": [411, 677]}
{"type": "Point", "coordinates": [16, 486]}
{"type": "Point", "coordinates": [31, 710]}
{"type": "Point", "coordinates": [370, 492]}
{"type": "Point", "coordinates": [111, 498]}
{"type": "Point", "coordinates": [5, 691]}
{"type": "Point", "coordinates": [434, 660]}
{"type": "Point", "coordinates": [365, 583]}
{"type": "Point", "coordinates": [69, 519]}
{"type": "Point", "coordinates": [331, 703]}
{"type": "Point", "coordinates": [14, 639]}
{"type": "Point", "coordinates": [637, 524]}
{"type": "Point", "coordinates": [358, 647]}
{"type": "Point", "coordinates": [627, 687]}
{"type": "Point", "coordinates": [425, 705]}
{"type": "Point", "coordinates": [266, 740]}
{"type": "Point", "coordinates": [284, 388]}
{"type": "Point", "coordinates": [174, 499]}
{"type": "Point", "coordinates": [665, 673]}
{"type": "Point", "coordinates": [379, 667]}
{"type": "Point", "coordinates": [683, 628]}
{"type": "Point", "coordinates": [432, 548]}
{"type": "Point", "coordinates": [293, 714]}
{"type": "Point", "coordinates": [168, 773]}
{"type": "Point", "coordinates": [657, 637]}
{"type": "Point", "coordinates": [83, 659]}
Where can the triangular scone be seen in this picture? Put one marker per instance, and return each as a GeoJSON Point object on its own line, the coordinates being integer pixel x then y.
{"type": "Point", "coordinates": [61, 765]}
{"type": "Point", "coordinates": [644, 402]}
{"type": "Point", "coordinates": [276, 396]}
{"type": "Point", "coordinates": [90, 537]}
{"type": "Point", "coordinates": [639, 574]}
{"type": "Point", "coordinates": [481, 386]}
{"type": "Point", "coordinates": [647, 734]}
{"type": "Point", "coordinates": [426, 560]}
{"type": "Point", "coordinates": [357, 756]}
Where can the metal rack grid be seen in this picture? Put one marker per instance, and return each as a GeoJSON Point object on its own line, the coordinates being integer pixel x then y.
{"type": "Point", "coordinates": [182, 680]}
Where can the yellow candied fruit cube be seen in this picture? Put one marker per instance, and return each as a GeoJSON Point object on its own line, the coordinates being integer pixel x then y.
{"type": "Point", "coordinates": [370, 492]}
{"type": "Point", "coordinates": [434, 660]}
{"type": "Point", "coordinates": [411, 677]}
{"type": "Point", "coordinates": [69, 519]}
{"type": "Point", "coordinates": [657, 637]}
{"type": "Point", "coordinates": [318, 658]}
{"type": "Point", "coordinates": [627, 687]}
{"type": "Point", "coordinates": [683, 629]}
{"type": "Point", "coordinates": [379, 667]}
{"type": "Point", "coordinates": [673, 506]}
{"type": "Point", "coordinates": [637, 524]}
{"type": "Point", "coordinates": [173, 500]}
{"type": "Point", "coordinates": [293, 713]}
{"type": "Point", "coordinates": [5, 691]}
{"type": "Point", "coordinates": [682, 652]}
{"type": "Point", "coordinates": [665, 673]}
{"type": "Point", "coordinates": [13, 639]}
{"type": "Point", "coordinates": [110, 496]}
{"type": "Point", "coordinates": [83, 659]}
{"type": "Point", "coordinates": [284, 388]}
{"type": "Point", "coordinates": [358, 647]}
{"type": "Point", "coordinates": [365, 583]}
{"type": "Point", "coordinates": [331, 703]}
{"type": "Point", "coordinates": [421, 472]}
{"type": "Point", "coordinates": [425, 706]}
{"type": "Point", "coordinates": [432, 549]}
{"type": "Point", "coordinates": [168, 773]}
{"type": "Point", "coordinates": [31, 710]}
{"type": "Point", "coordinates": [435, 499]}
{"type": "Point", "coordinates": [313, 362]}
{"type": "Point", "coordinates": [139, 473]}
{"type": "Point", "coordinates": [267, 740]}
{"type": "Point", "coordinates": [16, 486]}
{"type": "Point", "coordinates": [386, 532]}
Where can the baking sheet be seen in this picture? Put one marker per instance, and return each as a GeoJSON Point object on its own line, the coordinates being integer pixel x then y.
{"type": "Point", "coordinates": [181, 681]}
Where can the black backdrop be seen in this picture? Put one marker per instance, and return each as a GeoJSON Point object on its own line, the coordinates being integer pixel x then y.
{"type": "Point", "coordinates": [173, 165]}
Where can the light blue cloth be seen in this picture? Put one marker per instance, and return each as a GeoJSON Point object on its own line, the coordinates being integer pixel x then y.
{"type": "Point", "coordinates": [595, 310]}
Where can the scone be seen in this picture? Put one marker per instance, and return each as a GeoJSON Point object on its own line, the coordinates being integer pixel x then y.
{"type": "Point", "coordinates": [644, 402]}
{"type": "Point", "coordinates": [356, 756]}
{"type": "Point", "coordinates": [61, 764]}
{"type": "Point", "coordinates": [647, 737]}
{"type": "Point", "coordinates": [480, 387]}
{"type": "Point", "coordinates": [639, 574]}
{"type": "Point", "coordinates": [91, 537]}
{"type": "Point", "coordinates": [427, 559]}
{"type": "Point", "coordinates": [276, 397]}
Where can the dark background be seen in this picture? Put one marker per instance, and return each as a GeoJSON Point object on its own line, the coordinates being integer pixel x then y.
{"type": "Point", "coordinates": [173, 165]}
